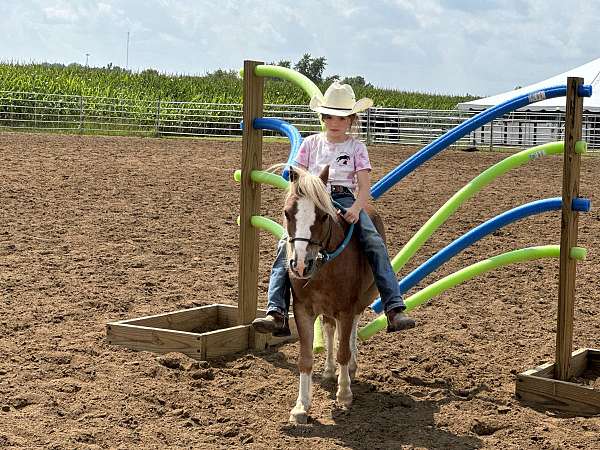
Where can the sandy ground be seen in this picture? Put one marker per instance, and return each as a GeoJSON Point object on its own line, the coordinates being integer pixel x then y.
{"type": "Point", "coordinates": [96, 229]}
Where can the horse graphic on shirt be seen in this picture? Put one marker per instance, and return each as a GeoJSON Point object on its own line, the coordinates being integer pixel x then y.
{"type": "Point", "coordinates": [342, 160]}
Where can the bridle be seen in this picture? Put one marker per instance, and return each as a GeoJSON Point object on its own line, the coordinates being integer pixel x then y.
{"type": "Point", "coordinates": [324, 255]}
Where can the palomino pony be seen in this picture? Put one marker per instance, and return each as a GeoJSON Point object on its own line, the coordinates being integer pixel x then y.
{"type": "Point", "coordinates": [339, 289]}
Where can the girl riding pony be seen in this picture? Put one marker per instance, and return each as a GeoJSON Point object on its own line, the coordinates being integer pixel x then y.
{"type": "Point", "coordinates": [349, 184]}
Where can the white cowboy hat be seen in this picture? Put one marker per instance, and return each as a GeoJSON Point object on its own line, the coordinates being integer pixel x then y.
{"type": "Point", "coordinates": [339, 100]}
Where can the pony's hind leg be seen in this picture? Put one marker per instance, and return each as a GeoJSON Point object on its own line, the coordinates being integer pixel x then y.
{"type": "Point", "coordinates": [305, 325]}
{"type": "Point", "coordinates": [344, 328]}
{"type": "Point", "coordinates": [329, 369]}
{"type": "Point", "coordinates": [353, 365]}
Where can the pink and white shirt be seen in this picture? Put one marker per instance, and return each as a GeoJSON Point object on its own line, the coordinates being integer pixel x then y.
{"type": "Point", "coordinates": [344, 158]}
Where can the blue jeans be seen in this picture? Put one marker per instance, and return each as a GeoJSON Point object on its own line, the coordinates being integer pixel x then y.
{"type": "Point", "coordinates": [374, 248]}
{"type": "Point", "coordinates": [279, 283]}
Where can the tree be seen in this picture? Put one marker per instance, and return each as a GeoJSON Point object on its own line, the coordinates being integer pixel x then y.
{"type": "Point", "coordinates": [223, 74]}
{"type": "Point", "coordinates": [356, 81]}
{"type": "Point", "coordinates": [312, 68]}
{"type": "Point", "coordinates": [328, 80]}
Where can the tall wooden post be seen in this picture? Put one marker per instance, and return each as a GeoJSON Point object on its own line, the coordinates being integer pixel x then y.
{"type": "Point", "coordinates": [250, 195]}
{"type": "Point", "coordinates": [568, 237]}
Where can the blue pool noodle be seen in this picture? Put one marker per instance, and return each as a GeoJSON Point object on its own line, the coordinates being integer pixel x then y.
{"type": "Point", "coordinates": [469, 238]}
{"type": "Point", "coordinates": [286, 129]}
{"type": "Point", "coordinates": [463, 129]}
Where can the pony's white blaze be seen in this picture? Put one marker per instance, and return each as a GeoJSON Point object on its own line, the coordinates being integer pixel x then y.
{"type": "Point", "coordinates": [305, 218]}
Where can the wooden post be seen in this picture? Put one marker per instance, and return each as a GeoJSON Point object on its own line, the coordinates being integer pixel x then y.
{"type": "Point", "coordinates": [568, 237]}
{"type": "Point", "coordinates": [250, 195]}
{"type": "Point", "coordinates": [369, 137]}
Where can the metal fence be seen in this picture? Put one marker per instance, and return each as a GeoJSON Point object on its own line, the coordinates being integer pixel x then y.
{"type": "Point", "coordinates": [101, 115]}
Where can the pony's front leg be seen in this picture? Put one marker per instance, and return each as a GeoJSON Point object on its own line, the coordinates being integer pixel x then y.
{"type": "Point", "coordinates": [329, 369]}
{"type": "Point", "coordinates": [344, 329]}
{"type": "Point", "coordinates": [305, 325]}
{"type": "Point", "coordinates": [353, 366]}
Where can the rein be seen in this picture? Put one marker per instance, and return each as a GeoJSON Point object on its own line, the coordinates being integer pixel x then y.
{"type": "Point", "coordinates": [324, 255]}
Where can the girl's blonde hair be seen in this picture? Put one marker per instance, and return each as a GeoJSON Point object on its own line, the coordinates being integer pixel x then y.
{"type": "Point", "coordinates": [312, 187]}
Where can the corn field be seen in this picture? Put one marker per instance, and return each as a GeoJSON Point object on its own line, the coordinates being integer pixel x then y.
{"type": "Point", "coordinates": [149, 86]}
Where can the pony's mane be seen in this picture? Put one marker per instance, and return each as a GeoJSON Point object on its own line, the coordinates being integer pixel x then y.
{"type": "Point", "coordinates": [312, 187]}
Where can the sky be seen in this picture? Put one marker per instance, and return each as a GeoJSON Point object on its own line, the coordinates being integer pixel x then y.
{"type": "Point", "coordinates": [457, 47]}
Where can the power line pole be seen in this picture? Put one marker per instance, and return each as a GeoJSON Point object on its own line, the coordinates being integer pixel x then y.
{"type": "Point", "coordinates": [87, 55]}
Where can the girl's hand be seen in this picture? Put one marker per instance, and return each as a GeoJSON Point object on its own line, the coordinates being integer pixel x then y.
{"type": "Point", "coordinates": [352, 214]}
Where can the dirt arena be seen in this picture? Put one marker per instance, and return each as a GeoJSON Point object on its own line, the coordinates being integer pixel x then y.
{"type": "Point", "coordinates": [97, 229]}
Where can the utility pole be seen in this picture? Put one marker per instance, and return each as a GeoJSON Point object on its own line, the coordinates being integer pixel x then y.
{"type": "Point", "coordinates": [87, 55]}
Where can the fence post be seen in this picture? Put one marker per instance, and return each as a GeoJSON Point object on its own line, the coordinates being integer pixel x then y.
{"type": "Point", "coordinates": [399, 131]}
{"type": "Point", "coordinates": [157, 122]}
{"type": "Point", "coordinates": [492, 136]}
{"type": "Point", "coordinates": [80, 113]}
{"type": "Point", "coordinates": [369, 139]}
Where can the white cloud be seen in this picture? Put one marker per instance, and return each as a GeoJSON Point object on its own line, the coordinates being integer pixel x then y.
{"type": "Point", "coordinates": [449, 46]}
{"type": "Point", "coordinates": [61, 13]}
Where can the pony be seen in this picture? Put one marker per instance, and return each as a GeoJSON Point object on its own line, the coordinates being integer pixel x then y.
{"type": "Point", "coordinates": [339, 289]}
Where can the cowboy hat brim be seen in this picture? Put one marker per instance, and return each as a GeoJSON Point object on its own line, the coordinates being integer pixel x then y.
{"type": "Point", "coordinates": [317, 104]}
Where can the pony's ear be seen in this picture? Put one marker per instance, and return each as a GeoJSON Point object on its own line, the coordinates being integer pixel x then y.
{"type": "Point", "coordinates": [293, 175]}
{"type": "Point", "coordinates": [324, 175]}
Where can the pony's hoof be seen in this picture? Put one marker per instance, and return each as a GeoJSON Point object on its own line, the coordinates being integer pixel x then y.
{"type": "Point", "coordinates": [298, 417]}
{"type": "Point", "coordinates": [344, 399]}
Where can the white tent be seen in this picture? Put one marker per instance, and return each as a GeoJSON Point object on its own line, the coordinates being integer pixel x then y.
{"type": "Point", "coordinates": [590, 73]}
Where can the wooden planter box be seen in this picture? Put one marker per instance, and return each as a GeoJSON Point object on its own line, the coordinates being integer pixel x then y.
{"type": "Point", "coordinates": [538, 386]}
{"type": "Point", "coordinates": [201, 333]}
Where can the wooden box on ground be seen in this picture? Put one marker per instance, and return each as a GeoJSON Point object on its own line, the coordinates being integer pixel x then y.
{"type": "Point", "coordinates": [200, 333]}
{"type": "Point", "coordinates": [538, 386]}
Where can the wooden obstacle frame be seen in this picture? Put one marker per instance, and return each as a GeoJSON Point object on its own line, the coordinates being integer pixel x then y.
{"type": "Point", "coordinates": [230, 329]}
{"type": "Point", "coordinates": [540, 386]}
{"type": "Point", "coordinates": [547, 386]}
{"type": "Point", "coordinates": [201, 333]}
{"type": "Point", "coordinates": [219, 330]}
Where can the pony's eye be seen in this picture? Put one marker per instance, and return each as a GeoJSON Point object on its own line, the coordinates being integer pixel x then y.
{"type": "Point", "coordinates": [323, 217]}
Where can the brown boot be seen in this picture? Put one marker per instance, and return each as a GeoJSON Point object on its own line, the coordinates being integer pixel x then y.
{"type": "Point", "coordinates": [273, 323]}
{"type": "Point", "coordinates": [398, 321]}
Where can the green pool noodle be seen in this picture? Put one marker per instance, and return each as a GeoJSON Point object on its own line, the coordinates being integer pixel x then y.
{"type": "Point", "coordinates": [468, 191]}
{"type": "Point", "coordinates": [417, 299]}
{"type": "Point", "coordinates": [263, 177]}
{"type": "Point", "coordinates": [578, 253]}
{"type": "Point", "coordinates": [581, 147]}
{"type": "Point", "coordinates": [305, 83]}
{"type": "Point", "coordinates": [283, 73]}
{"type": "Point", "coordinates": [318, 344]}
{"type": "Point", "coordinates": [267, 224]}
